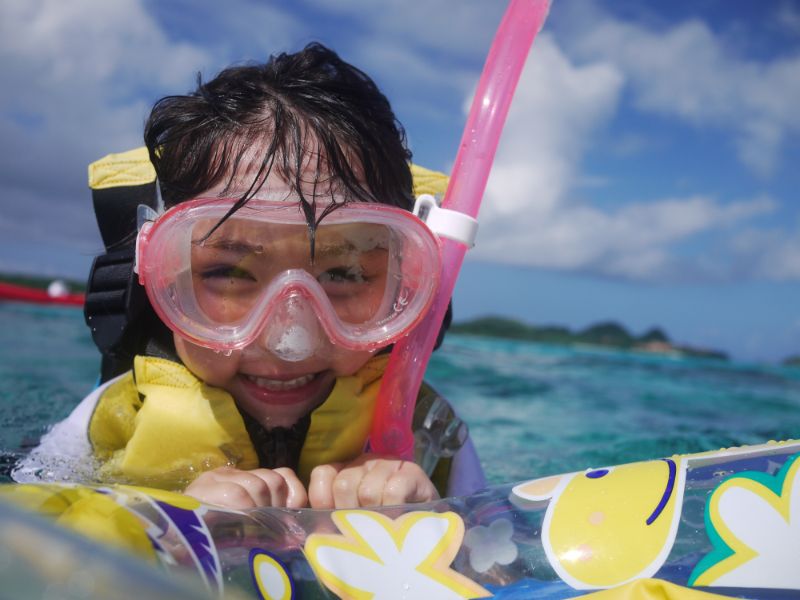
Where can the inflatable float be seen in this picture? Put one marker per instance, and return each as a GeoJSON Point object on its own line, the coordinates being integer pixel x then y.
{"type": "Point", "coordinates": [724, 523]}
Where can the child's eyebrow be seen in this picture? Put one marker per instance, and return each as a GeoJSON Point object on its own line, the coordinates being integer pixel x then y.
{"type": "Point", "coordinates": [336, 248]}
{"type": "Point", "coordinates": [232, 245]}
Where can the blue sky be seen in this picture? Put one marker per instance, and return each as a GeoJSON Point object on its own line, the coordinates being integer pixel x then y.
{"type": "Point", "coordinates": [648, 172]}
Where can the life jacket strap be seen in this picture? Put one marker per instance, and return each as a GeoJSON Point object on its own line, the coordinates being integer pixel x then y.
{"type": "Point", "coordinates": [116, 308]}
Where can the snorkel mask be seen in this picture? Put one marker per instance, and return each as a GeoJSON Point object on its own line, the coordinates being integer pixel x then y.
{"type": "Point", "coordinates": [251, 278]}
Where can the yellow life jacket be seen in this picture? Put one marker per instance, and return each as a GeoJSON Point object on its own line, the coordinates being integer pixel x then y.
{"type": "Point", "coordinates": [159, 425]}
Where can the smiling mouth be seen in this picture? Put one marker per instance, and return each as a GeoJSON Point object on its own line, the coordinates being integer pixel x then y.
{"type": "Point", "coordinates": [673, 469]}
{"type": "Point", "coordinates": [280, 385]}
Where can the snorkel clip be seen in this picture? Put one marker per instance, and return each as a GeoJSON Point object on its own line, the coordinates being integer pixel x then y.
{"type": "Point", "coordinates": [451, 224]}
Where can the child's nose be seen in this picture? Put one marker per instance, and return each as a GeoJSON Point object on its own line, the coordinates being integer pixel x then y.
{"type": "Point", "coordinates": [293, 332]}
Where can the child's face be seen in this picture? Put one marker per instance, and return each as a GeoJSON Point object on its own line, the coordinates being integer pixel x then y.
{"type": "Point", "coordinates": [275, 392]}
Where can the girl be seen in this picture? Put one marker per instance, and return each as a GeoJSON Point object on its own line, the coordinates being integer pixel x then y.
{"type": "Point", "coordinates": [284, 267]}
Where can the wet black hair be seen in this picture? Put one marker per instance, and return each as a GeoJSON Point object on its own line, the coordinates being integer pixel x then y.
{"type": "Point", "coordinates": [310, 108]}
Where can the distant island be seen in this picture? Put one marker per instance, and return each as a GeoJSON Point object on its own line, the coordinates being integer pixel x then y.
{"type": "Point", "coordinates": [608, 334]}
{"type": "Point", "coordinates": [791, 361]}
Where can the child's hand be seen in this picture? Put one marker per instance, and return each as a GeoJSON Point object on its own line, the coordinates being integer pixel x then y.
{"type": "Point", "coordinates": [370, 480]}
{"type": "Point", "coordinates": [233, 488]}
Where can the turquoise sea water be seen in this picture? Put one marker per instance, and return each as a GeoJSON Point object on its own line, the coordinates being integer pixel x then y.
{"type": "Point", "coordinates": [532, 409]}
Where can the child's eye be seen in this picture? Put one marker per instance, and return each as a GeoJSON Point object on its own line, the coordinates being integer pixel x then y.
{"type": "Point", "coordinates": [342, 275]}
{"type": "Point", "coordinates": [226, 272]}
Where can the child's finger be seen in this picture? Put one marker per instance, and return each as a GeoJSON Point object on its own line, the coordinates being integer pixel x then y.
{"type": "Point", "coordinates": [409, 483]}
{"type": "Point", "coordinates": [369, 481]}
{"type": "Point", "coordinates": [227, 494]}
{"type": "Point", "coordinates": [374, 480]}
{"type": "Point", "coordinates": [233, 488]}
{"type": "Point", "coordinates": [296, 496]}
{"type": "Point", "coordinates": [320, 486]}
{"type": "Point", "coordinates": [394, 481]}
{"type": "Point", "coordinates": [266, 487]}
{"type": "Point", "coordinates": [345, 486]}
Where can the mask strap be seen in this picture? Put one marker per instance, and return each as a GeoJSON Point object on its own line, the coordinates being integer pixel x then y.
{"type": "Point", "coordinates": [145, 212]}
{"type": "Point", "coordinates": [145, 216]}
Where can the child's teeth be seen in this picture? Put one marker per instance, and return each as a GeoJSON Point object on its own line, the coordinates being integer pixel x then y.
{"type": "Point", "coordinates": [281, 384]}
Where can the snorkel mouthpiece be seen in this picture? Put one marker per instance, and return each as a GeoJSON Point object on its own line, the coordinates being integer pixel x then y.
{"type": "Point", "coordinates": [293, 333]}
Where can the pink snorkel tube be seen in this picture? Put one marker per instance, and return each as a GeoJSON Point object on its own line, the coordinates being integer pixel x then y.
{"type": "Point", "coordinates": [391, 424]}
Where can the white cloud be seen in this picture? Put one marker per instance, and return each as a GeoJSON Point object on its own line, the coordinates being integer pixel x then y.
{"type": "Point", "coordinates": [233, 31]}
{"type": "Point", "coordinates": [76, 81]}
{"type": "Point", "coordinates": [688, 72]}
{"type": "Point", "coordinates": [774, 253]}
{"type": "Point", "coordinates": [418, 83]}
{"type": "Point", "coordinates": [631, 144]}
{"type": "Point", "coordinates": [59, 47]}
{"type": "Point", "coordinates": [423, 56]}
{"type": "Point", "coordinates": [460, 30]}
{"type": "Point", "coordinates": [532, 214]}
{"type": "Point", "coordinates": [555, 109]}
{"type": "Point", "coordinates": [77, 78]}
{"type": "Point", "coordinates": [788, 17]}
{"type": "Point", "coordinates": [635, 242]}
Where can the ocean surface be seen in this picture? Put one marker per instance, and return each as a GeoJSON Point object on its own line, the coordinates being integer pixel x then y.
{"type": "Point", "coordinates": [532, 409]}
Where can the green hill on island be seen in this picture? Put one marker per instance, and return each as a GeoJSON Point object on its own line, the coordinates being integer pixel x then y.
{"type": "Point", "coordinates": [791, 361]}
{"type": "Point", "coordinates": [607, 334]}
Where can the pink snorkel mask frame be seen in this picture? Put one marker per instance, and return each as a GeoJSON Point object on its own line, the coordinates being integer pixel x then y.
{"type": "Point", "coordinates": [391, 426]}
{"type": "Point", "coordinates": [287, 311]}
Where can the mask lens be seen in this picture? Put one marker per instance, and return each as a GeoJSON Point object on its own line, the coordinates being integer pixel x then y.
{"type": "Point", "coordinates": [372, 276]}
{"type": "Point", "coordinates": [351, 264]}
{"type": "Point", "coordinates": [233, 266]}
